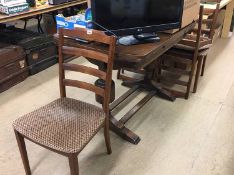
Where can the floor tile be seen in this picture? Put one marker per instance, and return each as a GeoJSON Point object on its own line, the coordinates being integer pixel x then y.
{"type": "Point", "coordinates": [217, 155]}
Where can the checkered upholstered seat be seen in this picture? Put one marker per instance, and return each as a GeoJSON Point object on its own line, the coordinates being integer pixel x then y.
{"type": "Point", "coordinates": [65, 125]}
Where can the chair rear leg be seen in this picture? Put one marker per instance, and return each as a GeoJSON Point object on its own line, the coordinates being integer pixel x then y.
{"type": "Point", "coordinates": [73, 163]}
{"type": "Point", "coordinates": [118, 74]}
{"type": "Point", "coordinates": [23, 152]}
{"type": "Point", "coordinates": [189, 85]}
{"type": "Point", "coordinates": [197, 74]}
{"type": "Point", "coordinates": [203, 66]}
{"type": "Point", "coordinates": [159, 70]}
{"type": "Point", "coordinates": [107, 136]}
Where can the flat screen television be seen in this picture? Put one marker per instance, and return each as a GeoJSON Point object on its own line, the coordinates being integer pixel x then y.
{"type": "Point", "coordinates": [132, 17]}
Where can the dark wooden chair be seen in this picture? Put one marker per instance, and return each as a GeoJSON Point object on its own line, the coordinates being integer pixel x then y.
{"type": "Point", "coordinates": [188, 44]}
{"type": "Point", "coordinates": [66, 125]}
{"type": "Point", "coordinates": [188, 52]}
{"type": "Point", "coordinates": [183, 53]}
{"type": "Point", "coordinates": [209, 25]}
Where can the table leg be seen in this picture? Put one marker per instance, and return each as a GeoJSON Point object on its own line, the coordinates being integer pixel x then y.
{"type": "Point", "coordinates": [118, 126]}
{"type": "Point", "coordinates": [228, 19]}
{"type": "Point", "coordinates": [161, 92]}
{"type": "Point", "coordinates": [122, 131]}
{"type": "Point", "coordinates": [149, 84]}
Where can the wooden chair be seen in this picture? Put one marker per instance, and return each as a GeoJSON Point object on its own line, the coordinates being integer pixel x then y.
{"type": "Point", "coordinates": [187, 45]}
{"type": "Point", "coordinates": [66, 125]}
{"type": "Point", "coordinates": [209, 25]}
{"type": "Point", "coordinates": [189, 52]}
{"type": "Point", "coordinates": [208, 31]}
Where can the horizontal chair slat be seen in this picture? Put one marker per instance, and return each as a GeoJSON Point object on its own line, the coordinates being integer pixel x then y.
{"type": "Point", "coordinates": [177, 58]}
{"type": "Point", "coordinates": [204, 31]}
{"type": "Point", "coordinates": [207, 21]}
{"type": "Point", "coordinates": [84, 85]}
{"type": "Point", "coordinates": [176, 70]}
{"type": "Point", "coordinates": [86, 53]}
{"type": "Point", "coordinates": [188, 42]}
{"type": "Point", "coordinates": [208, 11]}
{"type": "Point", "coordinates": [93, 36]}
{"type": "Point", "coordinates": [85, 70]}
{"type": "Point", "coordinates": [211, 1]}
{"type": "Point", "coordinates": [192, 43]}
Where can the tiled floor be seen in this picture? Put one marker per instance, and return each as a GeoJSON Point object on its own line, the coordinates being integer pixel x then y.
{"type": "Point", "coordinates": [193, 137]}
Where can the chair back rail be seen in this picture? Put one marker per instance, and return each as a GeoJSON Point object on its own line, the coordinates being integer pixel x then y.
{"type": "Point", "coordinates": [106, 58]}
{"type": "Point", "coordinates": [93, 35]}
{"type": "Point", "coordinates": [85, 70]}
{"type": "Point", "coordinates": [210, 19]}
{"type": "Point", "coordinates": [85, 53]}
{"type": "Point", "coordinates": [196, 52]}
{"type": "Point", "coordinates": [199, 33]}
{"type": "Point", "coordinates": [190, 40]}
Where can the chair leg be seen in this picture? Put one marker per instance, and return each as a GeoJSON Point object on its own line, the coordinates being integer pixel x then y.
{"type": "Point", "coordinates": [73, 163]}
{"type": "Point", "coordinates": [159, 70]}
{"type": "Point", "coordinates": [203, 66]}
{"type": "Point", "coordinates": [107, 136]}
{"type": "Point", "coordinates": [189, 84]}
{"type": "Point", "coordinates": [23, 152]}
{"type": "Point", "coordinates": [118, 74]}
{"type": "Point", "coordinates": [197, 74]}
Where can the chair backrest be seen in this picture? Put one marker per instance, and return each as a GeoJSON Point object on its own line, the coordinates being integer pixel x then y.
{"type": "Point", "coordinates": [196, 39]}
{"type": "Point", "coordinates": [199, 33]}
{"type": "Point", "coordinates": [97, 55]}
{"type": "Point", "coordinates": [210, 18]}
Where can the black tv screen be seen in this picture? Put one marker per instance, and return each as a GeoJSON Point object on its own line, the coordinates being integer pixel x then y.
{"type": "Point", "coordinates": [126, 17]}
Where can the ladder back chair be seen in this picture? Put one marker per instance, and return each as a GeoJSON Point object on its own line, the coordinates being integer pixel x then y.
{"type": "Point", "coordinates": [187, 44]}
{"type": "Point", "coordinates": [66, 125]}
{"type": "Point", "coordinates": [209, 25]}
{"type": "Point", "coordinates": [187, 52]}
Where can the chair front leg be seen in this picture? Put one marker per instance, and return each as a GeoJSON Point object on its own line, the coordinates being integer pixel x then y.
{"type": "Point", "coordinates": [199, 64]}
{"type": "Point", "coordinates": [73, 163]}
{"type": "Point", "coordinates": [107, 136]}
{"type": "Point", "coordinates": [23, 152]}
{"type": "Point", "coordinates": [203, 66]}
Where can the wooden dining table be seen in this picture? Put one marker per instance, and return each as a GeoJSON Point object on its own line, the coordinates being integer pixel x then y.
{"type": "Point", "coordinates": [141, 56]}
{"type": "Point", "coordinates": [33, 11]}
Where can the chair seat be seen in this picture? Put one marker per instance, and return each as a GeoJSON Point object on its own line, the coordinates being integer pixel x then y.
{"type": "Point", "coordinates": [191, 49]}
{"type": "Point", "coordinates": [65, 125]}
{"type": "Point", "coordinates": [187, 54]}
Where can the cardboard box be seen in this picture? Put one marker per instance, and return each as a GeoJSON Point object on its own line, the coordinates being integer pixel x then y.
{"type": "Point", "coordinates": [12, 9]}
{"type": "Point", "coordinates": [68, 23]}
{"type": "Point", "coordinates": [190, 14]}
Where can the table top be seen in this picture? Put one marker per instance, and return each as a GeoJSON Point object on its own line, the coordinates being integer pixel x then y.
{"type": "Point", "coordinates": [141, 55]}
{"type": "Point", "coordinates": [39, 10]}
{"type": "Point", "coordinates": [144, 54]}
{"type": "Point", "coordinates": [223, 3]}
